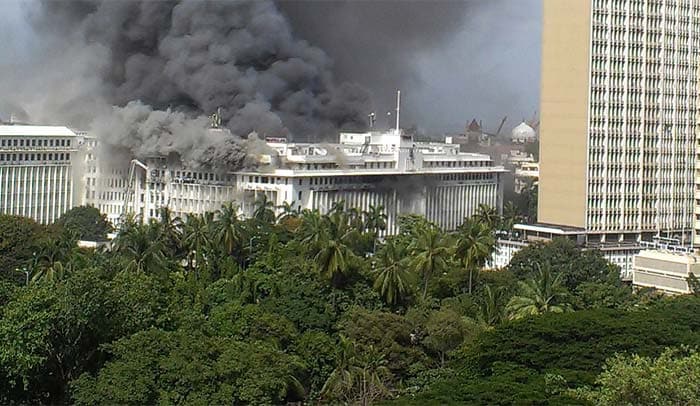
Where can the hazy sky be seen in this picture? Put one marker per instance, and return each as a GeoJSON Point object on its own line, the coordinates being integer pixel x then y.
{"type": "Point", "coordinates": [486, 68]}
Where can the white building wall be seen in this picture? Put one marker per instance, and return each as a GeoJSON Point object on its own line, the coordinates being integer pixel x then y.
{"type": "Point", "coordinates": [37, 165]}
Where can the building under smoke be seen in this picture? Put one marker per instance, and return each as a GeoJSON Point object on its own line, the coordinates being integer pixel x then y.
{"type": "Point", "coordinates": [368, 169]}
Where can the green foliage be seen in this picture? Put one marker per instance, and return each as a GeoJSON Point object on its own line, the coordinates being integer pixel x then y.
{"type": "Point", "coordinates": [528, 361]}
{"type": "Point", "coordinates": [389, 334]}
{"type": "Point", "coordinates": [310, 307]}
{"type": "Point", "coordinates": [20, 242]}
{"type": "Point", "coordinates": [188, 367]}
{"type": "Point", "coordinates": [541, 294]}
{"type": "Point", "coordinates": [671, 379]}
{"type": "Point", "coordinates": [445, 331]}
{"type": "Point", "coordinates": [563, 257]}
{"type": "Point", "coordinates": [86, 222]}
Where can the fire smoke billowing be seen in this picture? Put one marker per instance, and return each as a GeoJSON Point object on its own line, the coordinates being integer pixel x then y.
{"type": "Point", "coordinates": [143, 76]}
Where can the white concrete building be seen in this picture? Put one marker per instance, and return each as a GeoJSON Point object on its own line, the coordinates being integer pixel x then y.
{"type": "Point", "coordinates": [666, 271]}
{"type": "Point", "coordinates": [38, 168]}
{"type": "Point", "coordinates": [363, 169]}
{"type": "Point", "coordinates": [526, 174]}
{"type": "Point", "coordinates": [387, 169]}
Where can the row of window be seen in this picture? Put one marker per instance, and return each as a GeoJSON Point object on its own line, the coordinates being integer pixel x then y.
{"type": "Point", "coordinates": [35, 142]}
{"type": "Point", "coordinates": [35, 157]}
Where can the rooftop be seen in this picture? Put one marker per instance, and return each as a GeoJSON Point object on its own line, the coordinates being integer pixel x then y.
{"type": "Point", "coordinates": [35, 131]}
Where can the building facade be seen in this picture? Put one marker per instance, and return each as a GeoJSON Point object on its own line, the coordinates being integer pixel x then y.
{"type": "Point", "coordinates": [666, 270]}
{"type": "Point", "coordinates": [38, 168]}
{"type": "Point", "coordinates": [435, 180]}
{"type": "Point", "coordinates": [618, 117]}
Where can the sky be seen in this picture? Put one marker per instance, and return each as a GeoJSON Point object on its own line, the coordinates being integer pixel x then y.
{"type": "Point", "coordinates": [485, 67]}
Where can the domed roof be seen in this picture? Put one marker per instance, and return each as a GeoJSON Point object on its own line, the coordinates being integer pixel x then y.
{"type": "Point", "coordinates": [523, 132]}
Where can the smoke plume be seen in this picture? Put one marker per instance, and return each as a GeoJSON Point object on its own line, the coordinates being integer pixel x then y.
{"type": "Point", "coordinates": [144, 75]}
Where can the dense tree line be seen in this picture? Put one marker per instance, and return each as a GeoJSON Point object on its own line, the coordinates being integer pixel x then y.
{"type": "Point", "coordinates": [299, 306]}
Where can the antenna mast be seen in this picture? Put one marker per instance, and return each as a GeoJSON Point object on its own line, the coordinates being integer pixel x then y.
{"type": "Point", "coordinates": [398, 109]}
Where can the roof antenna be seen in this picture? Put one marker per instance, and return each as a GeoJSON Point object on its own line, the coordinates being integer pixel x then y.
{"type": "Point", "coordinates": [398, 109]}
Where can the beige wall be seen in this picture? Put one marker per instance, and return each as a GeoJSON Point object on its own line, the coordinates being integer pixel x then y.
{"type": "Point", "coordinates": [564, 112]}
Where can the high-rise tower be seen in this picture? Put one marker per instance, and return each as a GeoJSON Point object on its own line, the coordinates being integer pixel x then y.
{"type": "Point", "coordinates": [618, 118]}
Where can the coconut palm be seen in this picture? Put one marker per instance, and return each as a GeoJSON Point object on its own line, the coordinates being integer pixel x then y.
{"type": "Point", "coordinates": [196, 239]}
{"type": "Point", "coordinates": [312, 227]}
{"type": "Point", "coordinates": [492, 308]}
{"type": "Point", "coordinates": [429, 252]}
{"type": "Point", "coordinates": [511, 216]}
{"type": "Point", "coordinates": [542, 294]}
{"type": "Point", "coordinates": [264, 210]}
{"type": "Point", "coordinates": [333, 250]}
{"type": "Point", "coordinates": [474, 246]}
{"type": "Point", "coordinates": [375, 219]}
{"type": "Point", "coordinates": [229, 229]}
{"type": "Point", "coordinates": [487, 215]}
{"type": "Point", "coordinates": [393, 277]}
{"type": "Point", "coordinates": [287, 210]}
{"type": "Point", "coordinates": [171, 228]}
{"type": "Point", "coordinates": [142, 246]}
{"type": "Point", "coordinates": [359, 377]}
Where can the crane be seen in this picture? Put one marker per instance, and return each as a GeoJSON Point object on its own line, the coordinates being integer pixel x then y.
{"type": "Point", "coordinates": [128, 193]}
{"type": "Point", "coordinates": [500, 127]}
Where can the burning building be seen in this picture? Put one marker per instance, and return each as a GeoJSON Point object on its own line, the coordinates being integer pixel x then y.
{"type": "Point", "coordinates": [386, 169]}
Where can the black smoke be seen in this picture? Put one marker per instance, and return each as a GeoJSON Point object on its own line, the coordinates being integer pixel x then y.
{"type": "Point", "coordinates": [137, 72]}
{"type": "Point", "coordinates": [376, 42]}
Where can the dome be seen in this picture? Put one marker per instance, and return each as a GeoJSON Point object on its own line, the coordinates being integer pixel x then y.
{"type": "Point", "coordinates": [523, 133]}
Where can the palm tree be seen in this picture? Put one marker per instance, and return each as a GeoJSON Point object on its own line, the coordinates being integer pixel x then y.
{"type": "Point", "coordinates": [491, 308]}
{"type": "Point", "coordinates": [359, 377]}
{"type": "Point", "coordinates": [171, 227]}
{"type": "Point", "coordinates": [264, 210]}
{"type": "Point", "coordinates": [333, 252]}
{"type": "Point", "coordinates": [392, 276]}
{"type": "Point", "coordinates": [312, 227]}
{"type": "Point", "coordinates": [287, 210]}
{"type": "Point", "coordinates": [511, 216]}
{"type": "Point", "coordinates": [487, 215]}
{"type": "Point", "coordinates": [142, 246]}
{"type": "Point", "coordinates": [429, 251]}
{"type": "Point", "coordinates": [229, 230]}
{"type": "Point", "coordinates": [196, 239]}
{"type": "Point", "coordinates": [375, 219]}
{"type": "Point", "coordinates": [475, 244]}
{"type": "Point", "coordinates": [542, 294]}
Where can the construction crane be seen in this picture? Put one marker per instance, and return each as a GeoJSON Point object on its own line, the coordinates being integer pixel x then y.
{"type": "Point", "coordinates": [129, 192]}
{"type": "Point", "coordinates": [500, 127]}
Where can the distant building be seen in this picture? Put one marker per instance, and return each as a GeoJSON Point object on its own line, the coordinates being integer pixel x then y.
{"type": "Point", "coordinates": [38, 170]}
{"type": "Point", "coordinates": [523, 134]}
{"type": "Point", "coordinates": [526, 174]}
{"type": "Point", "coordinates": [667, 271]}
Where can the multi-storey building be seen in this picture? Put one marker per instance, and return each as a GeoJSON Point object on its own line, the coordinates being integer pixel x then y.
{"type": "Point", "coordinates": [618, 105]}
{"type": "Point", "coordinates": [381, 169]}
{"type": "Point", "coordinates": [38, 168]}
{"type": "Point", "coordinates": [363, 169]}
{"type": "Point", "coordinates": [141, 188]}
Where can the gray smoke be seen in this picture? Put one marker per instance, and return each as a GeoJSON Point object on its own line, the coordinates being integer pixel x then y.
{"type": "Point", "coordinates": [452, 59]}
{"type": "Point", "coordinates": [143, 75]}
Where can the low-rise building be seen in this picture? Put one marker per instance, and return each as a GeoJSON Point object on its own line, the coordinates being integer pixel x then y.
{"type": "Point", "coordinates": [665, 270]}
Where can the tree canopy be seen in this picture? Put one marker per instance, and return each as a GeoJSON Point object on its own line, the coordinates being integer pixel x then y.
{"type": "Point", "coordinates": [302, 306]}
